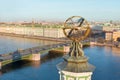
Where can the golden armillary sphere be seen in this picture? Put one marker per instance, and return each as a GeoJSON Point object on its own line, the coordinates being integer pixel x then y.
{"type": "Point", "coordinates": [76, 28]}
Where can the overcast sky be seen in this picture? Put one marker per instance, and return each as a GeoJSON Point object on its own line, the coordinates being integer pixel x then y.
{"type": "Point", "coordinates": [55, 10]}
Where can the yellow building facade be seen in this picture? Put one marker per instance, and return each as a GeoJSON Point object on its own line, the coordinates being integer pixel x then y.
{"type": "Point", "coordinates": [116, 35]}
{"type": "Point", "coordinates": [112, 36]}
{"type": "Point", "coordinates": [108, 36]}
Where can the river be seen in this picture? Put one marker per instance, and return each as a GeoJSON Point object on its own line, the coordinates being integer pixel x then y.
{"type": "Point", "coordinates": [105, 59]}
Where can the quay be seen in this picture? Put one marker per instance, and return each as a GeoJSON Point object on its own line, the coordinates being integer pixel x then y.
{"type": "Point", "coordinates": [62, 39]}
{"type": "Point", "coordinates": [104, 44]}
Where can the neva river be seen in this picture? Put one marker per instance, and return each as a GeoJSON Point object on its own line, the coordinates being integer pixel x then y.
{"type": "Point", "coordinates": [105, 59]}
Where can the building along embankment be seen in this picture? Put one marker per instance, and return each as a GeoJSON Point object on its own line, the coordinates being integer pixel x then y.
{"type": "Point", "coordinates": [54, 34]}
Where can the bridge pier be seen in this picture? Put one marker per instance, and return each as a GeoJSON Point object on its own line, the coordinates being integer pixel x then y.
{"type": "Point", "coordinates": [35, 56]}
{"type": "Point", "coordinates": [66, 49]}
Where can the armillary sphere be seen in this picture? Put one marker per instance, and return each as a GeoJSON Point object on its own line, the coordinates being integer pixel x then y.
{"type": "Point", "coordinates": [76, 28]}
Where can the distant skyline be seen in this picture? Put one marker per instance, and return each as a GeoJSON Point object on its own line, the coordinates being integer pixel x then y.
{"type": "Point", "coordinates": [59, 10]}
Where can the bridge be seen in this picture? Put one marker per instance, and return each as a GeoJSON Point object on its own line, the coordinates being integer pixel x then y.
{"type": "Point", "coordinates": [30, 53]}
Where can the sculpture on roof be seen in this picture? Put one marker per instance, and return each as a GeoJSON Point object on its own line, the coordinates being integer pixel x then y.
{"type": "Point", "coordinates": [76, 28]}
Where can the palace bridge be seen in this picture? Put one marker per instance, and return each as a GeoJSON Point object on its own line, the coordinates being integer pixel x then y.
{"type": "Point", "coordinates": [30, 53]}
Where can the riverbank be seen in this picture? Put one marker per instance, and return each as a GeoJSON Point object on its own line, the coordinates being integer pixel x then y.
{"type": "Point", "coordinates": [103, 44]}
{"type": "Point", "coordinates": [35, 37]}
{"type": "Point", "coordinates": [36, 31]}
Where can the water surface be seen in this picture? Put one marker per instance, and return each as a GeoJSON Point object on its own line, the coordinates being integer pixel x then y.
{"type": "Point", "coordinates": [105, 59]}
